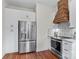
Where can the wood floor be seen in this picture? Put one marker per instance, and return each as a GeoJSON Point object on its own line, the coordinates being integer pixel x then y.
{"type": "Point", "coordinates": [36, 55]}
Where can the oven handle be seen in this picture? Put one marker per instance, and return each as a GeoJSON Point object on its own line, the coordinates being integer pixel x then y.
{"type": "Point", "coordinates": [56, 40]}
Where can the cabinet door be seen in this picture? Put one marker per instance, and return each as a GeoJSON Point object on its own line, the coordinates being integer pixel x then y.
{"type": "Point", "coordinates": [26, 15]}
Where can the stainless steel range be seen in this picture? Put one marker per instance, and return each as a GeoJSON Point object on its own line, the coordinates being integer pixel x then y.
{"type": "Point", "coordinates": [27, 35]}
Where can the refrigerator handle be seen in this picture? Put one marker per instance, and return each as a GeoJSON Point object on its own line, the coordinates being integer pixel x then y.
{"type": "Point", "coordinates": [25, 36]}
{"type": "Point", "coordinates": [28, 31]}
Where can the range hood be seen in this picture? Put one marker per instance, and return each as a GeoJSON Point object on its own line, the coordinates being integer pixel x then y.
{"type": "Point", "coordinates": [62, 14]}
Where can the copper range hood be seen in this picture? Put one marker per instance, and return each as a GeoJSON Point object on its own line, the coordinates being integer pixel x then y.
{"type": "Point", "coordinates": [62, 14]}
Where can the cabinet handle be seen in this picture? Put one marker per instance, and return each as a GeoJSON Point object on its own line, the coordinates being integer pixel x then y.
{"type": "Point", "coordinates": [66, 43]}
{"type": "Point", "coordinates": [66, 57]}
{"type": "Point", "coordinates": [65, 49]}
{"type": "Point", "coordinates": [25, 36]}
{"type": "Point", "coordinates": [27, 16]}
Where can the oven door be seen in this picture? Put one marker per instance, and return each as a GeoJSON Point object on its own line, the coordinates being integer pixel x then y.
{"type": "Point", "coordinates": [53, 44]}
{"type": "Point", "coordinates": [59, 47]}
{"type": "Point", "coordinates": [56, 46]}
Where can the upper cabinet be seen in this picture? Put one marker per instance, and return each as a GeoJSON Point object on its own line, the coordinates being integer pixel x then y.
{"type": "Point", "coordinates": [72, 10]}
{"type": "Point", "coordinates": [62, 14]}
{"type": "Point", "coordinates": [26, 15]}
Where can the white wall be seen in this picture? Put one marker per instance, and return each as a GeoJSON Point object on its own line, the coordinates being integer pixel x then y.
{"type": "Point", "coordinates": [10, 38]}
{"type": "Point", "coordinates": [72, 9]}
{"type": "Point", "coordinates": [43, 19]}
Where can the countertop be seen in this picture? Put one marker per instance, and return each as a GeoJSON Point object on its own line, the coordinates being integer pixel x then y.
{"type": "Point", "coordinates": [63, 38]}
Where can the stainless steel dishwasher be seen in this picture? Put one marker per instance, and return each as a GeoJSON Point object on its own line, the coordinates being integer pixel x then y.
{"type": "Point", "coordinates": [27, 35]}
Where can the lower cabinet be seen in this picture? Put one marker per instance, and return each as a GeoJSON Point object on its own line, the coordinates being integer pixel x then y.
{"type": "Point", "coordinates": [68, 49]}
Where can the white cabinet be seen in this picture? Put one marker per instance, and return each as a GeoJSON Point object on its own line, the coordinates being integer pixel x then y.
{"type": "Point", "coordinates": [72, 12]}
{"type": "Point", "coordinates": [68, 49]}
{"type": "Point", "coordinates": [26, 15]}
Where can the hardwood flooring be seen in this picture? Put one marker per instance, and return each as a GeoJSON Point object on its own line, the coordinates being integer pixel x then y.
{"type": "Point", "coordinates": [35, 55]}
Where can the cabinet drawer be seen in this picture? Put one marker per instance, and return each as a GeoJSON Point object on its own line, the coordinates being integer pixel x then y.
{"type": "Point", "coordinates": [67, 45]}
{"type": "Point", "coordinates": [66, 56]}
{"type": "Point", "coordinates": [67, 52]}
{"type": "Point", "coordinates": [67, 48]}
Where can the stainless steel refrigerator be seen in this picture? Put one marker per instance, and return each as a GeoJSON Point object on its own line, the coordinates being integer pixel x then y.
{"type": "Point", "coordinates": [27, 35]}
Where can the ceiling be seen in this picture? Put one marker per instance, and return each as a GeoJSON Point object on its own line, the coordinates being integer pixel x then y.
{"type": "Point", "coordinates": [49, 2]}
{"type": "Point", "coordinates": [30, 3]}
{"type": "Point", "coordinates": [22, 3]}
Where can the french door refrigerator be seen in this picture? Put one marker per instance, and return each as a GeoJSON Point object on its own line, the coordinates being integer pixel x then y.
{"type": "Point", "coordinates": [27, 35]}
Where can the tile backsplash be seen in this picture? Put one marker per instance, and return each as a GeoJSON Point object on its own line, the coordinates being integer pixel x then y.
{"type": "Point", "coordinates": [64, 25]}
{"type": "Point", "coordinates": [60, 26]}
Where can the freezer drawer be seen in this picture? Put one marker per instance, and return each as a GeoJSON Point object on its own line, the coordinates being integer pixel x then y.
{"type": "Point", "coordinates": [25, 47]}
